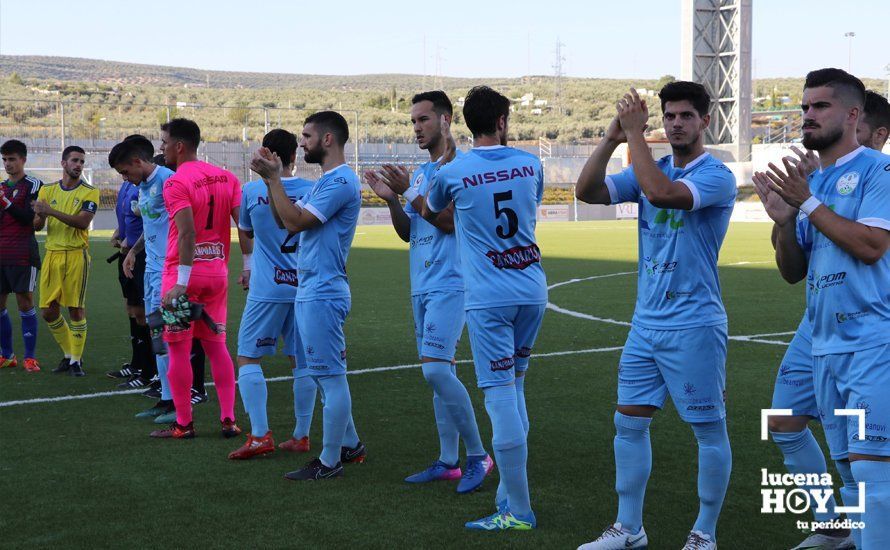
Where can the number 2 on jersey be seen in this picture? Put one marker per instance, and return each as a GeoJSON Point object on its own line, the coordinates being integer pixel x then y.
{"type": "Point", "coordinates": [290, 248]}
{"type": "Point", "coordinates": [512, 218]}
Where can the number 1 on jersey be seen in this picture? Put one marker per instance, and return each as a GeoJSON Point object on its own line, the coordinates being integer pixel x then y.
{"type": "Point", "coordinates": [209, 224]}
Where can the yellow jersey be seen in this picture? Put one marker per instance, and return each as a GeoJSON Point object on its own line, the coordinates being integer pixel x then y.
{"type": "Point", "coordinates": [83, 197]}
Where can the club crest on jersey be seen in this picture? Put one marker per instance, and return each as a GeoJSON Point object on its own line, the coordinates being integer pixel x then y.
{"type": "Point", "coordinates": [418, 181]}
{"type": "Point", "coordinates": [518, 257]}
{"type": "Point", "coordinates": [205, 252]}
{"type": "Point", "coordinates": [285, 276]}
{"type": "Point", "coordinates": [847, 183]}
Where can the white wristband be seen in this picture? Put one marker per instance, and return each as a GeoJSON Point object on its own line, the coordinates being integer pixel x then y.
{"type": "Point", "coordinates": [410, 194]}
{"type": "Point", "coordinates": [247, 262]}
{"type": "Point", "coordinates": [183, 273]}
{"type": "Point", "coordinates": [809, 205]}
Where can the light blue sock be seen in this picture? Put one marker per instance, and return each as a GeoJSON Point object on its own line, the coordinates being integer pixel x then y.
{"type": "Point", "coordinates": [29, 331]}
{"type": "Point", "coordinates": [5, 334]}
{"type": "Point", "coordinates": [459, 413]}
{"type": "Point", "coordinates": [520, 400]}
{"type": "Point", "coordinates": [850, 495]}
{"type": "Point", "coordinates": [804, 456]}
{"type": "Point", "coordinates": [633, 464]}
{"type": "Point", "coordinates": [449, 438]}
{"type": "Point", "coordinates": [714, 467]}
{"type": "Point", "coordinates": [510, 447]}
{"type": "Point", "coordinates": [304, 404]}
{"type": "Point", "coordinates": [350, 436]}
{"type": "Point", "coordinates": [876, 476]}
{"type": "Point", "coordinates": [163, 362]}
{"type": "Point", "coordinates": [254, 394]}
{"type": "Point", "coordinates": [337, 414]}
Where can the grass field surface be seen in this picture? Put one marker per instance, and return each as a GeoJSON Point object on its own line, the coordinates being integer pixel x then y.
{"type": "Point", "coordinates": [84, 473]}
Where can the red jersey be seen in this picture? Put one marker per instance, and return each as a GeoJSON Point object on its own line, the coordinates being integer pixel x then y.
{"type": "Point", "coordinates": [211, 193]}
{"type": "Point", "coordinates": [17, 243]}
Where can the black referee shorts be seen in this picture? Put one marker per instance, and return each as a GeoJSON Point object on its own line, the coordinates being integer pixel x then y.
{"type": "Point", "coordinates": [17, 279]}
{"type": "Point", "coordinates": [132, 289]}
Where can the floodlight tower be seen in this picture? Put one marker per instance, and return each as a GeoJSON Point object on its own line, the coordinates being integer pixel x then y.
{"type": "Point", "coordinates": [716, 52]}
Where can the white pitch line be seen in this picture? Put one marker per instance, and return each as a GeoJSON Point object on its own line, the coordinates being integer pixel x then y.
{"type": "Point", "coordinates": [285, 378]}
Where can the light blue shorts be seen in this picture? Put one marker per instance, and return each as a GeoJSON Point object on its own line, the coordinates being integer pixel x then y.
{"type": "Point", "coordinates": [151, 285]}
{"type": "Point", "coordinates": [794, 387]}
{"type": "Point", "coordinates": [262, 323]}
{"type": "Point", "coordinates": [438, 322]}
{"type": "Point", "coordinates": [689, 364]}
{"type": "Point", "coordinates": [502, 339]}
{"type": "Point", "coordinates": [320, 324]}
{"type": "Point", "coordinates": [858, 380]}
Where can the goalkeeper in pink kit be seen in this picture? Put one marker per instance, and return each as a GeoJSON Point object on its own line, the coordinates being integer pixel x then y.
{"type": "Point", "coordinates": [201, 199]}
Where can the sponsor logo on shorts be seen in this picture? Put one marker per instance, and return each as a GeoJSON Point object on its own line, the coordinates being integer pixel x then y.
{"type": "Point", "coordinates": [844, 317]}
{"type": "Point", "coordinates": [429, 263]}
{"type": "Point", "coordinates": [206, 252]}
{"type": "Point", "coordinates": [674, 294]}
{"type": "Point", "coordinates": [265, 342]}
{"type": "Point", "coordinates": [784, 370]}
{"type": "Point", "coordinates": [689, 388]}
{"type": "Point", "coordinates": [700, 408]}
{"type": "Point", "coordinates": [506, 363]}
{"type": "Point", "coordinates": [525, 352]}
{"type": "Point", "coordinates": [310, 350]}
{"type": "Point", "coordinates": [430, 327]}
{"type": "Point", "coordinates": [433, 344]}
{"type": "Point", "coordinates": [286, 276]}
{"type": "Point", "coordinates": [518, 257]}
{"type": "Point", "coordinates": [220, 328]}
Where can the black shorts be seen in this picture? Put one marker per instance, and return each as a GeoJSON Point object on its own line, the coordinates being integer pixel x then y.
{"type": "Point", "coordinates": [17, 279]}
{"type": "Point", "coordinates": [132, 289]}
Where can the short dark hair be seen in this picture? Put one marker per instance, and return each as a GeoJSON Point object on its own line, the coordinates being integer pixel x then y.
{"type": "Point", "coordinates": [482, 109]}
{"type": "Point", "coordinates": [72, 149]}
{"type": "Point", "coordinates": [333, 122]}
{"type": "Point", "coordinates": [845, 85]}
{"type": "Point", "coordinates": [184, 130]}
{"type": "Point", "coordinates": [282, 143]}
{"type": "Point", "coordinates": [439, 99]}
{"type": "Point", "coordinates": [877, 110]}
{"type": "Point", "coordinates": [14, 147]}
{"type": "Point", "coordinates": [683, 90]}
{"type": "Point", "coordinates": [160, 160]}
{"type": "Point", "coordinates": [130, 148]}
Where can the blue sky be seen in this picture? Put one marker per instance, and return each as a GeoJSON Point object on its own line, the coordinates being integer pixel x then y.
{"type": "Point", "coordinates": [615, 39]}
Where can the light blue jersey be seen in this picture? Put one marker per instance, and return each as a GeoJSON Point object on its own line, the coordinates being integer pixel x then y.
{"type": "Point", "coordinates": [273, 277]}
{"type": "Point", "coordinates": [155, 220]}
{"type": "Point", "coordinates": [496, 191]}
{"type": "Point", "coordinates": [678, 285]}
{"type": "Point", "coordinates": [848, 302]}
{"type": "Point", "coordinates": [336, 201]}
{"type": "Point", "coordinates": [433, 254]}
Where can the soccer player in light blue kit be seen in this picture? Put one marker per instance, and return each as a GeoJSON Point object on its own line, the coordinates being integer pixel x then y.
{"type": "Point", "coordinates": [136, 165]}
{"type": "Point", "coordinates": [847, 207]}
{"type": "Point", "coordinates": [270, 275]}
{"type": "Point", "coordinates": [678, 335]}
{"type": "Point", "coordinates": [496, 191]}
{"type": "Point", "coordinates": [326, 218]}
{"type": "Point", "coordinates": [437, 292]}
{"type": "Point", "coordinates": [794, 387]}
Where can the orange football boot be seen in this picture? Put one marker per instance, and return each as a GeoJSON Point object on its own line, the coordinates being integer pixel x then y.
{"type": "Point", "coordinates": [175, 431]}
{"type": "Point", "coordinates": [255, 446]}
{"type": "Point", "coordinates": [31, 365]}
{"type": "Point", "coordinates": [295, 445]}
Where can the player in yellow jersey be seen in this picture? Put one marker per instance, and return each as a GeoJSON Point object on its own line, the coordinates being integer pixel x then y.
{"type": "Point", "coordinates": [66, 207]}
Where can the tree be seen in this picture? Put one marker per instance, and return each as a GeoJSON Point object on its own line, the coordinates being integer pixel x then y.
{"type": "Point", "coordinates": [15, 79]}
{"type": "Point", "coordinates": [240, 114]}
{"type": "Point", "coordinates": [664, 80]}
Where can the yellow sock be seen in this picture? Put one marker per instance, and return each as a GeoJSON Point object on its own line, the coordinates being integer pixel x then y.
{"type": "Point", "coordinates": [78, 339]}
{"type": "Point", "coordinates": [60, 331]}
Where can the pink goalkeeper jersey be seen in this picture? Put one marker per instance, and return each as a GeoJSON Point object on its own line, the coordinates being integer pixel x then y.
{"type": "Point", "coordinates": [211, 193]}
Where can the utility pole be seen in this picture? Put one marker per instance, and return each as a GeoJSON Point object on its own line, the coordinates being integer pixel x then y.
{"type": "Point", "coordinates": [558, 74]}
{"type": "Point", "coordinates": [851, 36]}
